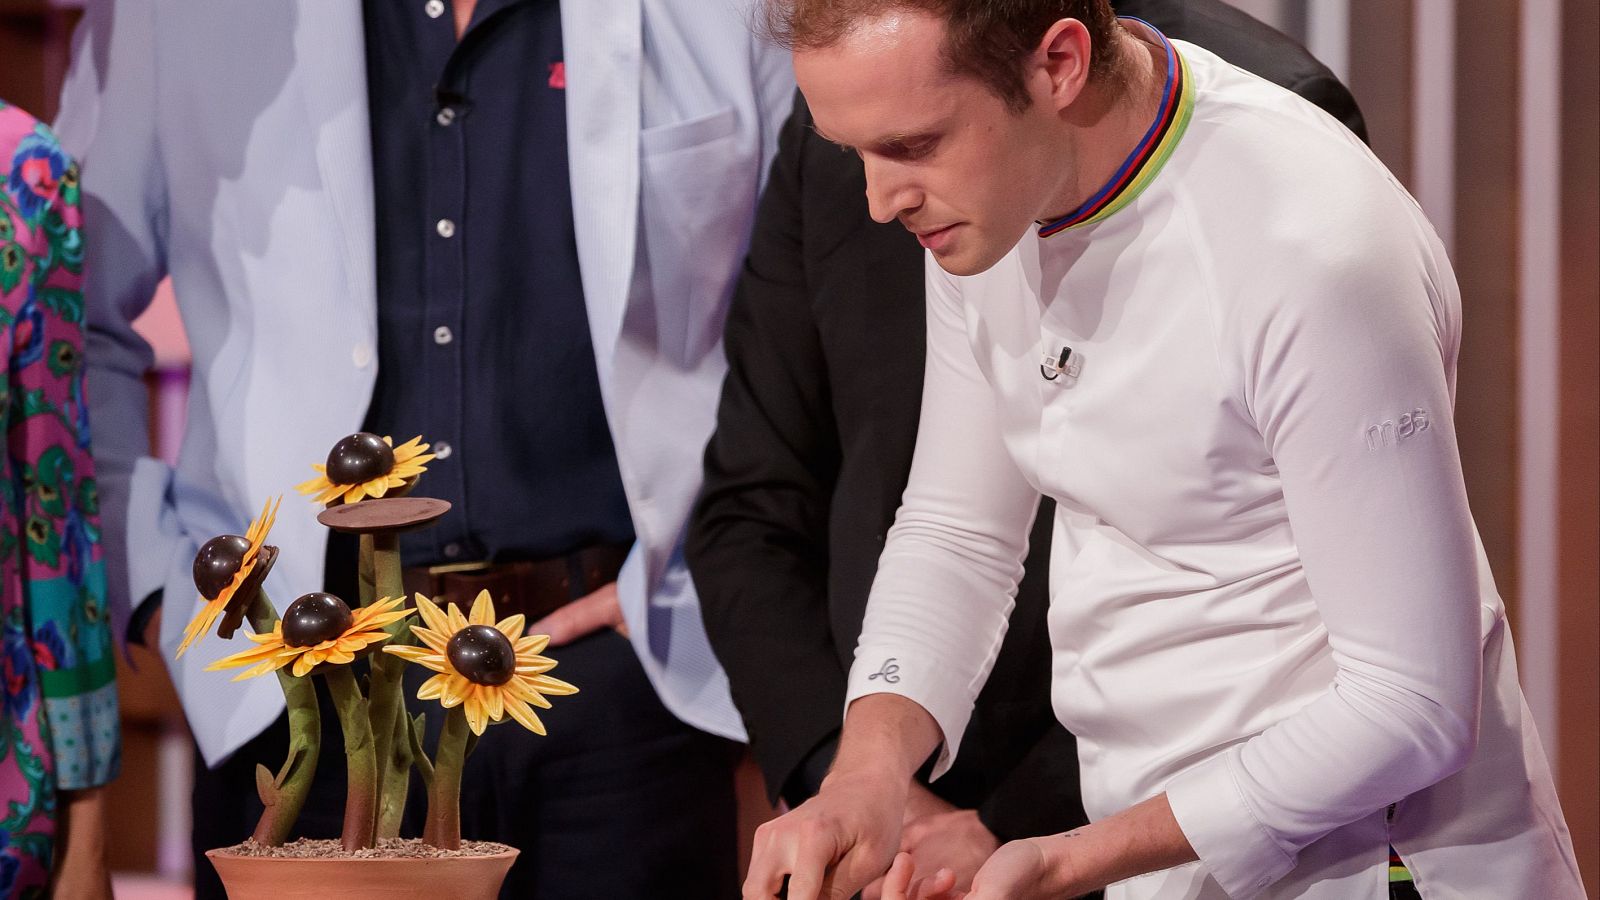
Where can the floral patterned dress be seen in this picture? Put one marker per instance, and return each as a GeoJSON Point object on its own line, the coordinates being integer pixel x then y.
{"type": "Point", "coordinates": [59, 729]}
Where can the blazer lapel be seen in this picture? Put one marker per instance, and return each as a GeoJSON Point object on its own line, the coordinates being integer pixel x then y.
{"type": "Point", "coordinates": [602, 48]}
{"type": "Point", "coordinates": [331, 44]}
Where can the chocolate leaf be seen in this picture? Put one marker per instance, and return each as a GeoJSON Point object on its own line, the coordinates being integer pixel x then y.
{"type": "Point", "coordinates": [265, 786]}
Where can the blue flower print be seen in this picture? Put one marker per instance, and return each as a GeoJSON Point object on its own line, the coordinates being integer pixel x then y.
{"type": "Point", "coordinates": [36, 170]}
{"type": "Point", "coordinates": [16, 669]}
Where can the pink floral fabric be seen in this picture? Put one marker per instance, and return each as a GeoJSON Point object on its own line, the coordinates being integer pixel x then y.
{"type": "Point", "coordinates": [59, 728]}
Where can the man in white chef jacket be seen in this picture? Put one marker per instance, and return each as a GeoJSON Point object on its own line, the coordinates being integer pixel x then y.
{"type": "Point", "coordinates": [1199, 314]}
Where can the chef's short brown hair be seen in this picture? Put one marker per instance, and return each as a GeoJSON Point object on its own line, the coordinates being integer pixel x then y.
{"type": "Point", "coordinates": [987, 39]}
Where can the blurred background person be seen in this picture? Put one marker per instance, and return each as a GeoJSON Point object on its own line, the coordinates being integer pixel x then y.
{"type": "Point", "coordinates": [509, 226]}
{"type": "Point", "coordinates": [60, 734]}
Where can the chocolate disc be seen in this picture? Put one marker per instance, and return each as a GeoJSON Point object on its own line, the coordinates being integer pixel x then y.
{"type": "Point", "coordinates": [360, 457]}
{"type": "Point", "coordinates": [314, 618]}
{"type": "Point", "coordinates": [483, 654]}
{"type": "Point", "coordinates": [217, 562]}
{"type": "Point", "coordinates": [384, 515]}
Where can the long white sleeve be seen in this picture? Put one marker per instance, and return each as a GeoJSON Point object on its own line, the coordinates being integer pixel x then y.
{"type": "Point", "coordinates": [938, 609]}
{"type": "Point", "coordinates": [1348, 387]}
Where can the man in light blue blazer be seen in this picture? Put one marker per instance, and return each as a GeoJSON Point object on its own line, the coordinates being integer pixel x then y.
{"type": "Point", "coordinates": [249, 151]}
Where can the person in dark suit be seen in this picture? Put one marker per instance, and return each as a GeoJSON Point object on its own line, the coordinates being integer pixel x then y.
{"type": "Point", "coordinates": [818, 418]}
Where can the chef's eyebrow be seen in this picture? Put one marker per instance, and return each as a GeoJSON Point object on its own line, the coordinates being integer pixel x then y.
{"type": "Point", "coordinates": [899, 142]}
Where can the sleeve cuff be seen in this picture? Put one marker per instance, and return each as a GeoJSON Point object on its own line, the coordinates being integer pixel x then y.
{"type": "Point", "coordinates": [1232, 844]}
{"type": "Point", "coordinates": [149, 551]}
{"type": "Point", "coordinates": [922, 681]}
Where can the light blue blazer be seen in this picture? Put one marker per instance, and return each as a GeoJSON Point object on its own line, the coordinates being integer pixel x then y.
{"type": "Point", "coordinates": [226, 143]}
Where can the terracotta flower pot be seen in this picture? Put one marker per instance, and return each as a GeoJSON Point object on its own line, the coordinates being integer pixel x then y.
{"type": "Point", "coordinates": [279, 878]}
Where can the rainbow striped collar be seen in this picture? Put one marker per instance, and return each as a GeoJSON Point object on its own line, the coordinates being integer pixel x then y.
{"type": "Point", "coordinates": [1148, 156]}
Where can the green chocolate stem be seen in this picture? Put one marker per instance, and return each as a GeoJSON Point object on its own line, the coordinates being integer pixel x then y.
{"type": "Point", "coordinates": [361, 795]}
{"type": "Point", "coordinates": [444, 800]}
{"type": "Point", "coordinates": [366, 578]}
{"type": "Point", "coordinates": [388, 576]}
{"type": "Point", "coordinates": [380, 566]}
{"type": "Point", "coordinates": [392, 749]}
{"type": "Point", "coordinates": [285, 795]}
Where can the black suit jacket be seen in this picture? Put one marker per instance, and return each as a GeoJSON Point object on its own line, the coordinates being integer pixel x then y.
{"type": "Point", "coordinates": [825, 342]}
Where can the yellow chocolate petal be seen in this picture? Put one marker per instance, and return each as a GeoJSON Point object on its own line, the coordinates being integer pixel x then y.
{"type": "Point", "coordinates": [455, 691]}
{"type": "Point", "coordinates": [493, 701]}
{"type": "Point", "coordinates": [433, 640]}
{"type": "Point", "coordinates": [513, 626]}
{"type": "Point", "coordinates": [534, 665]}
{"type": "Point", "coordinates": [482, 610]}
{"type": "Point", "coordinates": [519, 688]}
{"type": "Point", "coordinates": [475, 717]}
{"type": "Point", "coordinates": [523, 715]}
{"type": "Point", "coordinates": [552, 687]}
{"type": "Point", "coordinates": [433, 688]}
{"type": "Point", "coordinates": [432, 616]}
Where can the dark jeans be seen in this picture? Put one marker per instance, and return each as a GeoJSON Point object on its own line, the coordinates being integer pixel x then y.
{"type": "Point", "coordinates": [620, 801]}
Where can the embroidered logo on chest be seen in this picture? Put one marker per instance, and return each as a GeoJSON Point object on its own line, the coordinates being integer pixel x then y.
{"type": "Point", "coordinates": [1391, 432]}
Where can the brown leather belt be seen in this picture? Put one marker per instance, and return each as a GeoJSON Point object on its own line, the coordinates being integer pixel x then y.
{"type": "Point", "coordinates": [533, 588]}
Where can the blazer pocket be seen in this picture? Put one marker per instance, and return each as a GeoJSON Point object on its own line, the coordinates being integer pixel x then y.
{"type": "Point", "coordinates": [689, 133]}
{"type": "Point", "coordinates": [697, 196]}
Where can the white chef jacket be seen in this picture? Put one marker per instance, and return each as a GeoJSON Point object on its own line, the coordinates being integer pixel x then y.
{"type": "Point", "coordinates": [1268, 596]}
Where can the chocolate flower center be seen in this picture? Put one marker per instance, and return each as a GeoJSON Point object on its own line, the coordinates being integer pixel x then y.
{"type": "Point", "coordinates": [358, 458]}
{"type": "Point", "coordinates": [217, 562]}
{"type": "Point", "coordinates": [314, 618]}
{"type": "Point", "coordinates": [483, 655]}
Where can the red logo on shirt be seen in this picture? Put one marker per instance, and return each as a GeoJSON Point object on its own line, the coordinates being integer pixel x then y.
{"type": "Point", "coordinates": [558, 76]}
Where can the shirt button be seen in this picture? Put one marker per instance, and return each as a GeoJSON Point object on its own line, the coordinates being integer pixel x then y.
{"type": "Point", "coordinates": [452, 550]}
{"type": "Point", "coordinates": [445, 227]}
{"type": "Point", "coordinates": [442, 335]}
{"type": "Point", "coordinates": [361, 355]}
{"type": "Point", "coordinates": [434, 8]}
{"type": "Point", "coordinates": [445, 116]}
{"type": "Point", "coordinates": [441, 450]}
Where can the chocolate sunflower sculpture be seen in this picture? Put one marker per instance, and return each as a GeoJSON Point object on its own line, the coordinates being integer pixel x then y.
{"type": "Point", "coordinates": [320, 634]}
{"type": "Point", "coordinates": [228, 570]}
{"type": "Point", "coordinates": [364, 489]}
{"type": "Point", "coordinates": [488, 668]}
{"type": "Point", "coordinates": [365, 465]}
{"type": "Point", "coordinates": [316, 629]}
{"type": "Point", "coordinates": [487, 671]}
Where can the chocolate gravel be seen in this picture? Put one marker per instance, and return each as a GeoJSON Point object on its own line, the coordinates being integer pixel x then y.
{"type": "Point", "coordinates": [388, 848]}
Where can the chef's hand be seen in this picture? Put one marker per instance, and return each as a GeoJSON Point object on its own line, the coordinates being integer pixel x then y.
{"type": "Point", "coordinates": [940, 838]}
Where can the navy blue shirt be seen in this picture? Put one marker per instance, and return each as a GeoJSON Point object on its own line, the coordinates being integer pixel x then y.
{"type": "Point", "coordinates": [483, 336]}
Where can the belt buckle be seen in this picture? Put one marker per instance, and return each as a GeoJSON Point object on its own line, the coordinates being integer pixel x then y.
{"type": "Point", "coordinates": [458, 568]}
